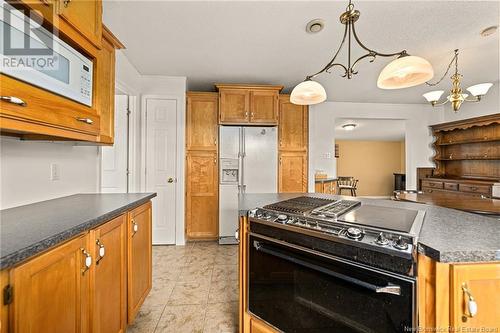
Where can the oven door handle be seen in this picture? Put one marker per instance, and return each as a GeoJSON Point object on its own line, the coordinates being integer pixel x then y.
{"type": "Point", "coordinates": [389, 289]}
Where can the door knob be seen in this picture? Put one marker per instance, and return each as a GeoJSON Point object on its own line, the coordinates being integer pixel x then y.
{"type": "Point", "coordinates": [170, 180]}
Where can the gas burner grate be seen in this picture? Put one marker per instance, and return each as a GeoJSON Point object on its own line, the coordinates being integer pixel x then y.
{"type": "Point", "coordinates": [299, 205]}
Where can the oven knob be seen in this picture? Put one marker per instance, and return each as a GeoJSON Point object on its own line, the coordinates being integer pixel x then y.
{"type": "Point", "coordinates": [381, 239]}
{"type": "Point", "coordinates": [282, 218]}
{"type": "Point", "coordinates": [400, 244]}
{"type": "Point", "coordinates": [354, 233]}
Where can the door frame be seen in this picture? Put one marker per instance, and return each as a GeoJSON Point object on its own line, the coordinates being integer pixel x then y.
{"type": "Point", "coordinates": [180, 100]}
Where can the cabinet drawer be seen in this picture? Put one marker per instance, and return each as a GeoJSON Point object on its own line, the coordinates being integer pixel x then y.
{"type": "Point", "coordinates": [451, 186]}
{"type": "Point", "coordinates": [43, 107]}
{"type": "Point", "coordinates": [483, 189]}
{"type": "Point", "coordinates": [432, 184]}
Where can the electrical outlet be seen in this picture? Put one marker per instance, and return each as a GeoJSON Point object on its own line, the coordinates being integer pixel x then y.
{"type": "Point", "coordinates": [328, 155]}
{"type": "Point", "coordinates": [54, 171]}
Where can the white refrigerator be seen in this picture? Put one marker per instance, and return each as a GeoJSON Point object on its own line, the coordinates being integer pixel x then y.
{"type": "Point", "coordinates": [248, 164]}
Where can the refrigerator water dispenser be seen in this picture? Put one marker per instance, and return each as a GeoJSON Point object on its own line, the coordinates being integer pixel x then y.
{"type": "Point", "coordinates": [229, 169]}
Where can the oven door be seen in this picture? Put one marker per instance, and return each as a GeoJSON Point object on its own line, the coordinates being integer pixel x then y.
{"type": "Point", "coordinates": [300, 290]}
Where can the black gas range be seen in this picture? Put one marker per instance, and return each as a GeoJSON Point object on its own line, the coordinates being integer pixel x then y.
{"type": "Point", "coordinates": [321, 265]}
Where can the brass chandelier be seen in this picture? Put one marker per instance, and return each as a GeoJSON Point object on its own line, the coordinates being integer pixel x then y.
{"type": "Point", "coordinates": [403, 72]}
{"type": "Point", "coordinates": [456, 97]}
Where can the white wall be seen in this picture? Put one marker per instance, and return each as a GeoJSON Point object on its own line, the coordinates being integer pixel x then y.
{"type": "Point", "coordinates": [25, 171]}
{"type": "Point", "coordinates": [418, 139]}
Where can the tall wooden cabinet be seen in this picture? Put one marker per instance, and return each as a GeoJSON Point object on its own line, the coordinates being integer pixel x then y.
{"type": "Point", "coordinates": [292, 146]}
{"type": "Point", "coordinates": [202, 179]}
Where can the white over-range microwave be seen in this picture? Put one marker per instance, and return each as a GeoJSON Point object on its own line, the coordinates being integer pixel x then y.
{"type": "Point", "coordinates": [33, 54]}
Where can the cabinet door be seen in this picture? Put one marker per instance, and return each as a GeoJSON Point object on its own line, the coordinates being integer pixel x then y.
{"type": "Point", "coordinates": [139, 258]}
{"type": "Point", "coordinates": [233, 106]}
{"type": "Point", "coordinates": [52, 291]}
{"type": "Point", "coordinates": [292, 172]}
{"type": "Point", "coordinates": [202, 206]}
{"type": "Point", "coordinates": [483, 282]}
{"type": "Point", "coordinates": [105, 99]}
{"type": "Point", "coordinates": [264, 107]}
{"type": "Point", "coordinates": [110, 289]}
{"type": "Point", "coordinates": [201, 121]}
{"type": "Point", "coordinates": [84, 16]}
{"type": "Point", "coordinates": [257, 326]}
{"type": "Point", "coordinates": [293, 125]}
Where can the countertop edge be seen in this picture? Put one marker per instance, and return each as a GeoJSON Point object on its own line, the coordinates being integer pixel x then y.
{"type": "Point", "coordinates": [35, 249]}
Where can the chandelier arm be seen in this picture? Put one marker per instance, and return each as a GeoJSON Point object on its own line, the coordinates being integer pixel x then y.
{"type": "Point", "coordinates": [332, 62]}
{"type": "Point", "coordinates": [361, 58]}
{"type": "Point", "coordinates": [439, 104]}
{"type": "Point", "coordinates": [346, 70]}
{"type": "Point", "coordinates": [454, 59]}
{"type": "Point", "coordinates": [375, 53]}
{"type": "Point", "coordinates": [475, 99]}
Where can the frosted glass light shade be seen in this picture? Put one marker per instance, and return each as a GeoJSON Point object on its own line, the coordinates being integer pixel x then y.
{"type": "Point", "coordinates": [480, 89]}
{"type": "Point", "coordinates": [405, 72]}
{"type": "Point", "coordinates": [307, 93]}
{"type": "Point", "coordinates": [433, 96]}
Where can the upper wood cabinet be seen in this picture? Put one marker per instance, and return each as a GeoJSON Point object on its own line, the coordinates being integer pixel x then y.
{"type": "Point", "coordinates": [248, 104]}
{"type": "Point", "coordinates": [139, 254]}
{"type": "Point", "coordinates": [109, 243]}
{"type": "Point", "coordinates": [52, 291]}
{"type": "Point", "coordinates": [202, 191]}
{"type": "Point", "coordinates": [293, 125]}
{"type": "Point", "coordinates": [84, 16]}
{"type": "Point", "coordinates": [483, 283]}
{"type": "Point", "coordinates": [201, 121]}
{"type": "Point", "coordinates": [292, 172]}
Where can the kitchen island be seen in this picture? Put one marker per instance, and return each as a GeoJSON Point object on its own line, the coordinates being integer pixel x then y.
{"type": "Point", "coordinates": [458, 252]}
{"type": "Point", "coordinates": [78, 263]}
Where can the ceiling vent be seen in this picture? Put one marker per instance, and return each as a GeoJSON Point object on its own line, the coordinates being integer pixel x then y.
{"type": "Point", "coordinates": [315, 26]}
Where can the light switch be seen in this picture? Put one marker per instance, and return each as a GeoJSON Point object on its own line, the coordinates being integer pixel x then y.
{"type": "Point", "coordinates": [54, 171]}
{"type": "Point", "coordinates": [328, 155]}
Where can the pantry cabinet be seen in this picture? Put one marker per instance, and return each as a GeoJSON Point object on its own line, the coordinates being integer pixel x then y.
{"type": "Point", "coordinates": [248, 104]}
{"type": "Point", "coordinates": [201, 121]}
{"type": "Point", "coordinates": [52, 291]}
{"type": "Point", "coordinates": [139, 258]}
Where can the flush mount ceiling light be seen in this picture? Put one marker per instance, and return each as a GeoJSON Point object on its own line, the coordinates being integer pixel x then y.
{"type": "Point", "coordinates": [349, 127]}
{"type": "Point", "coordinates": [456, 97]}
{"type": "Point", "coordinates": [403, 72]}
{"type": "Point", "coordinates": [489, 31]}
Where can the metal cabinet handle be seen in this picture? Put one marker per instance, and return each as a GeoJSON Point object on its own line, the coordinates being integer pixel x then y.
{"type": "Point", "coordinates": [237, 234]}
{"type": "Point", "coordinates": [101, 250]}
{"type": "Point", "coordinates": [471, 303]}
{"type": "Point", "coordinates": [88, 260]}
{"type": "Point", "coordinates": [14, 100]}
{"type": "Point", "coordinates": [85, 120]}
{"type": "Point", "coordinates": [135, 228]}
{"type": "Point", "coordinates": [170, 180]}
{"type": "Point", "coordinates": [66, 3]}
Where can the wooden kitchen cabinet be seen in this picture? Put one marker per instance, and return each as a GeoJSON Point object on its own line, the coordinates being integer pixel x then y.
{"type": "Point", "coordinates": [84, 16]}
{"type": "Point", "coordinates": [139, 256]}
{"type": "Point", "coordinates": [292, 172]}
{"type": "Point", "coordinates": [109, 243]}
{"type": "Point", "coordinates": [202, 129]}
{"type": "Point", "coordinates": [52, 291]}
{"type": "Point", "coordinates": [293, 125]}
{"type": "Point", "coordinates": [326, 186]}
{"type": "Point", "coordinates": [443, 301]}
{"type": "Point", "coordinates": [248, 104]}
{"type": "Point", "coordinates": [202, 191]}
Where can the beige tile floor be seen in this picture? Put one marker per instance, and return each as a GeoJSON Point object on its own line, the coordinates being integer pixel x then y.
{"type": "Point", "coordinates": [195, 289]}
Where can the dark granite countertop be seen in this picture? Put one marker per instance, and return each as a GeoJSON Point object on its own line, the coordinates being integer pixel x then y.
{"type": "Point", "coordinates": [28, 230]}
{"type": "Point", "coordinates": [324, 180]}
{"type": "Point", "coordinates": [447, 235]}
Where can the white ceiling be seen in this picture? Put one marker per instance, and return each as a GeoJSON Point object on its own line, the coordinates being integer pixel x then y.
{"type": "Point", "coordinates": [266, 42]}
{"type": "Point", "coordinates": [371, 129]}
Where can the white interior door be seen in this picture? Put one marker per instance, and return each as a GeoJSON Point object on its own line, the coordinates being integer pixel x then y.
{"type": "Point", "coordinates": [114, 175]}
{"type": "Point", "coordinates": [161, 155]}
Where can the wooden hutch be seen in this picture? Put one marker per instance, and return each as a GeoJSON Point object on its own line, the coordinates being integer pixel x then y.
{"type": "Point", "coordinates": [467, 157]}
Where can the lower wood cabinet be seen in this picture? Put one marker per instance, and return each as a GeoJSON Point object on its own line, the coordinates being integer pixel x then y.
{"type": "Point", "coordinates": [292, 172]}
{"type": "Point", "coordinates": [110, 280]}
{"type": "Point", "coordinates": [139, 258]}
{"type": "Point", "coordinates": [202, 191]}
{"type": "Point", "coordinates": [95, 282]}
{"type": "Point", "coordinates": [52, 291]}
{"type": "Point", "coordinates": [327, 187]}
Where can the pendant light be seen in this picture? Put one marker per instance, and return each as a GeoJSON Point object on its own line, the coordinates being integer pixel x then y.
{"type": "Point", "coordinates": [405, 71]}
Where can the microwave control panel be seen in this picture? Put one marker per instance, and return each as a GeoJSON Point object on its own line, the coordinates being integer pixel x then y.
{"type": "Point", "coordinates": [86, 83]}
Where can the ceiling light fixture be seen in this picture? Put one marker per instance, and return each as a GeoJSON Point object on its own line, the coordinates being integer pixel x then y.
{"type": "Point", "coordinates": [403, 72]}
{"type": "Point", "coordinates": [315, 26]}
{"type": "Point", "coordinates": [456, 97]}
{"type": "Point", "coordinates": [349, 127]}
{"type": "Point", "coordinates": [489, 31]}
